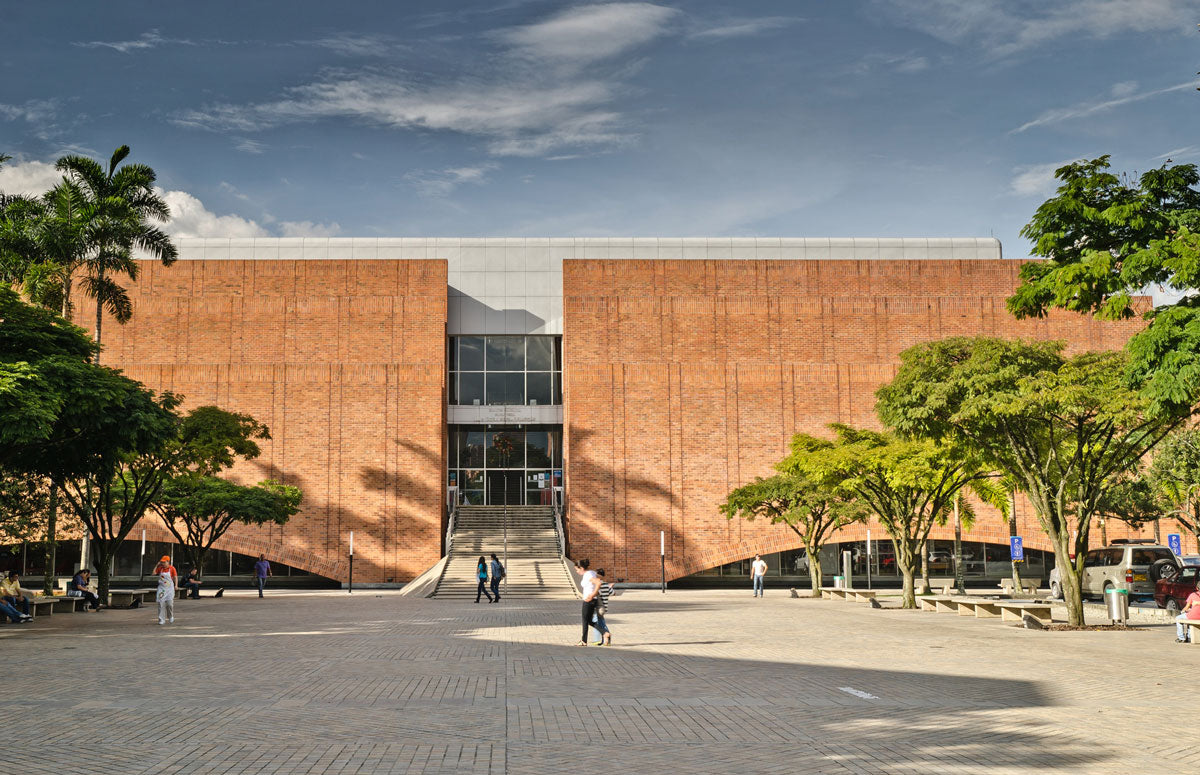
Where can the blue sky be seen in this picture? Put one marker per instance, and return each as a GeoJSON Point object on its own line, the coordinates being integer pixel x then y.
{"type": "Point", "coordinates": [534, 118]}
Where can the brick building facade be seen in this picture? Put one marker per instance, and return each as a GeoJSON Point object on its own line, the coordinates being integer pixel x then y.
{"type": "Point", "coordinates": [686, 366]}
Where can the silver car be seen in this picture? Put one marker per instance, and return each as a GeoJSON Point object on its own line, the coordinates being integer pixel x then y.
{"type": "Point", "coordinates": [1108, 568]}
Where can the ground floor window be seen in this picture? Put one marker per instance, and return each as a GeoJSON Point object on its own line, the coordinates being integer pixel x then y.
{"type": "Point", "coordinates": [514, 465]}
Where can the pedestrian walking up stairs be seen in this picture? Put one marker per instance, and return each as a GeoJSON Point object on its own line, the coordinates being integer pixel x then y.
{"type": "Point", "coordinates": [536, 567]}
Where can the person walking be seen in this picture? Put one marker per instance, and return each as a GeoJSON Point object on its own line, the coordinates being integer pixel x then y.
{"type": "Point", "coordinates": [262, 569]}
{"type": "Point", "coordinates": [165, 594]}
{"type": "Point", "coordinates": [498, 574]}
{"type": "Point", "coordinates": [590, 587]}
{"type": "Point", "coordinates": [481, 573]}
{"type": "Point", "coordinates": [598, 620]}
{"type": "Point", "coordinates": [758, 569]}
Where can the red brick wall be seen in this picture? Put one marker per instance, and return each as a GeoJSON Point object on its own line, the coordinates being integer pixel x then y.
{"type": "Point", "coordinates": [685, 379]}
{"type": "Point", "coordinates": [344, 361]}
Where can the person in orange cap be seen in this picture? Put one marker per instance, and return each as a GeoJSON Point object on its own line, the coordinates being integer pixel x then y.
{"type": "Point", "coordinates": [167, 579]}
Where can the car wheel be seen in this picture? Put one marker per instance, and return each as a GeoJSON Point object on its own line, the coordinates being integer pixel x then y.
{"type": "Point", "coordinates": [1056, 591]}
{"type": "Point", "coordinates": [1172, 606]}
{"type": "Point", "coordinates": [1108, 586]}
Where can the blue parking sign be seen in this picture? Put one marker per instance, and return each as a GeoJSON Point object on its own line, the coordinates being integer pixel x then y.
{"type": "Point", "coordinates": [1175, 543]}
{"type": "Point", "coordinates": [1017, 549]}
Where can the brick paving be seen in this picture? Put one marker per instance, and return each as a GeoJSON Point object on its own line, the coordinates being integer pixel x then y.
{"type": "Point", "coordinates": [700, 682]}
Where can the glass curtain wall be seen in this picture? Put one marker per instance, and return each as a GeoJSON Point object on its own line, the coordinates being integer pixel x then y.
{"type": "Point", "coordinates": [505, 370]}
{"type": "Point", "coordinates": [516, 466]}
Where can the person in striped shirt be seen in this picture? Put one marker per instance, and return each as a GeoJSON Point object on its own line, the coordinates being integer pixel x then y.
{"type": "Point", "coordinates": [606, 590]}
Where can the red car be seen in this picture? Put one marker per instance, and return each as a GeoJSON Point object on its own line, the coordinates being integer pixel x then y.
{"type": "Point", "coordinates": [1172, 593]}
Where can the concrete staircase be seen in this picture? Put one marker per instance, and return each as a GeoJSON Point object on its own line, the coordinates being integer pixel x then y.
{"type": "Point", "coordinates": [535, 567]}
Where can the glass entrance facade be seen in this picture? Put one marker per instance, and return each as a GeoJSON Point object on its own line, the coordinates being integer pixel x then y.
{"type": "Point", "coordinates": [515, 465]}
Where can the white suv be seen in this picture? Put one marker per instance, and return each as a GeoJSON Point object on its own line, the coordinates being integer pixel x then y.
{"type": "Point", "coordinates": [1108, 568]}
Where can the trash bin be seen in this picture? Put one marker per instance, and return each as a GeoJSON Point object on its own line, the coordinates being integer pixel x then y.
{"type": "Point", "coordinates": [1118, 604]}
{"type": "Point", "coordinates": [839, 582]}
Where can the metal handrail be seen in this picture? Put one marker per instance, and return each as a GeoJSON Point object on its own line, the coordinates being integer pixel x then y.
{"type": "Point", "coordinates": [558, 534]}
{"type": "Point", "coordinates": [450, 528]}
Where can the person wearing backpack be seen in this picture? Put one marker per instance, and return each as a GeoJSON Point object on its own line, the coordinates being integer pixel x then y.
{"type": "Point", "coordinates": [481, 573]}
{"type": "Point", "coordinates": [498, 575]}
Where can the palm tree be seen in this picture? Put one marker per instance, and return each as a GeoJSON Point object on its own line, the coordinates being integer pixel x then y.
{"type": "Point", "coordinates": [121, 207]}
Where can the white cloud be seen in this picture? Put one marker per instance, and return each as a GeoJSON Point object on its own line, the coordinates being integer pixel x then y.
{"type": "Point", "coordinates": [1006, 27]}
{"type": "Point", "coordinates": [1036, 180]}
{"type": "Point", "coordinates": [442, 183]}
{"type": "Point", "coordinates": [1090, 108]}
{"type": "Point", "coordinates": [1178, 153]}
{"type": "Point", "coordinates": [894, 63]}
{"type": "Point", "coordinates": [549, 89]}
{"type": "Point", "coordinates": [190, 218]}
{"type": "Point", "coordinates": [590, 33]}
{"type": "Point", "coordinates": [308, 229]}
{"type": "Point", "coordinates": [741, 28]}
{"type": "Point", "coordinates": [31, 178]}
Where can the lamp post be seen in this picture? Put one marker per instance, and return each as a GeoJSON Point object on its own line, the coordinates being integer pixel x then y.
{"type": "Point", "coordinates": [142, 559]}
{"type": "Point", "coordinates": [350, 591]}
{"type": "Point", "coordinates": [662, 554]}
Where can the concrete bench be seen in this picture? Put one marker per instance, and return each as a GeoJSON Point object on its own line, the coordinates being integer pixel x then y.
{"type": "Point", "coordinates": [1027, 585]}
{"type": "Point", "coordinates": [1193, 631]}
{"type": "Point", "coordinates": [1013, 611]}
{"type": "Point", "coordinates": [122, 598]}
{"type": "Point", "coordinates": [836, 593]}
{"type": "Point", "coordinates": [50, 605]}
{"type": "Point", "coordinates": [942, 604]}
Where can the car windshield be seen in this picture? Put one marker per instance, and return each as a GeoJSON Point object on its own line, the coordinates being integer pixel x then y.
{"type": "Point", "coordinates": [1149, 556]}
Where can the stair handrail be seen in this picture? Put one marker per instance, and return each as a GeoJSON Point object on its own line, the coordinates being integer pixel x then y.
{"type": "Point", "coordinates": [558, 534]}
{"type": "Point", "coordinates": [450, 527]}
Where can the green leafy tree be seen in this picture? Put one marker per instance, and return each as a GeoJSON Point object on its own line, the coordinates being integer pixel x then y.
{"type": "Point", "coordinates": [1063, 429]}
{"type": "Point", "coordinates": [122, 207]}
{"type": "Point", "coordinates": [199, 509]}
{"type": "Point", "coordinates": [812, 508]}
{"type": "Point", "coordinates": [1107, 237]}
{"type": "Point", "coordinates": [910, 485]}
{"type": "Point", "coordinates": [1174, 476]}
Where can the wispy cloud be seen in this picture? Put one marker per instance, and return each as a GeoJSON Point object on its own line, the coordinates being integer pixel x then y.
{"type": "Point", "coordinates": [742, 28]}
{"type": "Point", "coordinates": [438, 184]}
{"type": "Point", "coordinates": [246, 145]}
{"type": "Point", "coordinates": [349, 44]}
{"type": "Point", "coordinates": [550, 87]}
{"type": "Point", "coordinates": [1179, 153]}
{"type": "Point", "coordinates": [33, 111]}
{"type": "Point", "coordinates": [147, 40]}
{"type": "Point", "coordinates": [1005, 27]}
{"type": "Point", "coordinates": [1092, 107]}
{"type": "Point", "coordinates": [893, 63]}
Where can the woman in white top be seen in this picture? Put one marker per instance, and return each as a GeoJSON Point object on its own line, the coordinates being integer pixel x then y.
{"type": "Point", "coordinates": [590, 586]}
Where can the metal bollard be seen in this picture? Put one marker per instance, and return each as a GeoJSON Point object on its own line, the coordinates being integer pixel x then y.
{"type": "Point", "coordinates": [1118, 605]}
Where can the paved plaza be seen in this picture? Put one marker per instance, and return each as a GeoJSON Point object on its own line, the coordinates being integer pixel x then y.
{"type": "Point", "coordinates": [699, 682]}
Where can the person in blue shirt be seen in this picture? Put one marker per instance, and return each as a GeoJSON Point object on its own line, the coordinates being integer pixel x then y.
{"type": "Point", "coordinates": [481, 572]}
{"type": "Point", "coordinates": [78, 587]}
{"type": "Point", "coordinates": [497, 575]}
{"type": "Point", "coordinates": [262, 569]}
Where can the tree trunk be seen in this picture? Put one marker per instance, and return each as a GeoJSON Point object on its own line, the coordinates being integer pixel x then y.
{"type": "Point", "coordinates": [905, 561]}
{"type": "Point", "coordinates": [1157, 536]}
{"type": "Point", "coordinates": [814, 572]}
{"type": "Point", "coordinates": [960, 581]}
{"type": "Point", "coordinates": [99, 321]}
{"type": "Point", "coordinates": [51, 541]}
{"type": "Point", "coordinates": [925, 586]}
{"type": "Point", "coordinates": [1072, 587]}
{"type": "Point", "coordinates": [104, 554]}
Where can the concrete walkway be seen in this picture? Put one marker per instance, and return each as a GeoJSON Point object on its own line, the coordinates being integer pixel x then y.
{"type": "Point", "coordinates": [699, 682]}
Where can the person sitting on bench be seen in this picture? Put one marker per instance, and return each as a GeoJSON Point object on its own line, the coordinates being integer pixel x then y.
{"type": "Point", "coordinates": [11, 592]}
{"type": "Point", "coordinates": [78, 587]}
{"type": "Point", "coordinates": [191, 582]}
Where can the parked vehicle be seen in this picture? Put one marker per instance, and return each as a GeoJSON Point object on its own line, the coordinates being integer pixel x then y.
{"type": "Point", "coordinates": [1172, 593]}
{"type": "Point", "coordinates": [1136, 567]}
{"type": "Point", "coordinates": [940, 559]}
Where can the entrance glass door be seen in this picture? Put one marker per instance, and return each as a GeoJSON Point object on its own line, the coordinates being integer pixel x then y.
{"type": "Point", "coordinates": [505, 487]}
